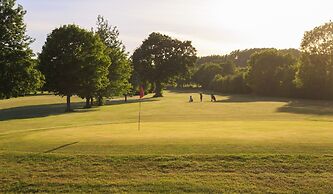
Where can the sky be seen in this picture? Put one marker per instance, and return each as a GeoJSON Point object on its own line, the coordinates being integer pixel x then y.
{"type": "Point", "coordinates": [213, 26]}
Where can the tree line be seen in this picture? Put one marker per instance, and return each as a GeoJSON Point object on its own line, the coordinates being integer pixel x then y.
{"type": "Point", "coordinates": [304, 73]}
{"type": "Point", "coordinates": [93, 64]}
{"type": "Point", "coordinates": [89, 64]}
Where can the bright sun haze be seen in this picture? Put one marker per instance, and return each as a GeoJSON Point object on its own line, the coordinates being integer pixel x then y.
{"type": "Point", "coordinates": [214, 26]}
{"type": "Point", "coordinates": [166, 96]}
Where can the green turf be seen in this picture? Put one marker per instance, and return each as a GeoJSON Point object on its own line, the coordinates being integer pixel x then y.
{"type": "Point", "coordinates": [238, 144]}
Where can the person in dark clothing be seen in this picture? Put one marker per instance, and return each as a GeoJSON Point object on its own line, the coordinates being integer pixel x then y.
{"type": "Point", "coordinates": [201, 97]}
{"type": "Point", "coordinates": [191, 99]}
{"type": "Point", "coordinates": [212, 98]}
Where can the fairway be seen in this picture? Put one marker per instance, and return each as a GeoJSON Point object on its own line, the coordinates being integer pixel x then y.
{"type": "Point", "coordinates": [238, 144]}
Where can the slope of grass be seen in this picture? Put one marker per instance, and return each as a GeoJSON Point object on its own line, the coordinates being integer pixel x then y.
{"type": "Point", "coordinates": [238, 144]}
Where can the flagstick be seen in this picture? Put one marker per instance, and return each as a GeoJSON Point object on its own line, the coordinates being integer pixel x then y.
{"type": "Point", "coordinates": [139, 123]}
{"type": "Point", "coordinates": [142, 94]}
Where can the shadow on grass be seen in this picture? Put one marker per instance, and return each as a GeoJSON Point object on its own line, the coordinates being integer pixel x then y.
{"type": "Point", "coordinates": [130, 101]}
{"type": "Point", "coordinates": [311, 107]}
{"type": "Point", "coordinates": [39, 94]}
{"type": "Point", "coordinates": [60, 147]}
{"type": "Point", "coordinates": [252, 98]}
{"type": "Point", "coordinates": [187, 90]}
{"type": "Point", "coordinates": [296, 106]}
{"type": "Point", "coordinates": [36, 111]}
{"type": "Point", "coordinates": [229, 97]}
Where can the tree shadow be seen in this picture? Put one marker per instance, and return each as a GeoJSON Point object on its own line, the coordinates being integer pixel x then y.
{"type": "Point", "coordinates": [187, 90]}
{"type": "Point", "coordinates": [39, 94]}
{"type": "Point", "coordinates": [192, 91]}
{"type": "Point", "coordinates": [311, 107]}
{"type": "Point", "coordinates": [130, 101]}
{"type": "Point", "coordinates": [297, 106]}
{"type": "Point", "coordinates": [230, 98]}
{"type": "Point", "coordinates": [37, 111]}
{"type": "Point", "coordinates": [251, 98]}
{"type": "Point", "coordinates": [60, 147]}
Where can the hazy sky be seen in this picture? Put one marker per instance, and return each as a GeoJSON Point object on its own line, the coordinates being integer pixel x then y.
{"type": "Point", "coordinates": [214, 26]}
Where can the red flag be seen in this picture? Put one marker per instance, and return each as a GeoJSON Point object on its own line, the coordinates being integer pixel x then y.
{"type": "Point", "coordinates": [142, 92]}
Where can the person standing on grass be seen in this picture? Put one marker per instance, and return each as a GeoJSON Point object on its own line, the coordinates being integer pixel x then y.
{"type": "Point", "coordinates": [201, 97]}
{"type": "Point", "coordinates": [191, 99]}
{"type": "Point", "coordinates": [212, 98]}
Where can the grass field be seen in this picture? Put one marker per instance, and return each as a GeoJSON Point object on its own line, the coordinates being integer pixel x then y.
{"type": "Point", "coordinates": [238, 144]}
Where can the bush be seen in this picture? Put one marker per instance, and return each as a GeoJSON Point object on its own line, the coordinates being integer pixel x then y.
{"type": "Point", "coordinates": [235, 83]}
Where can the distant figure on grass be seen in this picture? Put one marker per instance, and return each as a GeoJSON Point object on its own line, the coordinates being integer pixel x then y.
{"type": "Point", "coordinates": [191, 99]}
{"type": "Point", "coordinates": [212, 98]}
{"type": "Point", "coordinates": [201, 97]}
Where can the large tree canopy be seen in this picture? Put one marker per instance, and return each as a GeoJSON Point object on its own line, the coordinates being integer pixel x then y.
{"type": "Point", "coordinates": [120, 68]}
{"type": "Point", "coordinates": [240, 57]}
{"type": "Point", "coordinates": [271, 73]}
{"type": "Point", "coordinates": [74, 62]}
{"type": "Point", "coordinates": [160, 58]}
{"type": "Point", "coordinates": [315, 73]}
{"type": "Point", "coordinates": [206, 73]}
{"type": "Point", "coordinates": [18, 72]}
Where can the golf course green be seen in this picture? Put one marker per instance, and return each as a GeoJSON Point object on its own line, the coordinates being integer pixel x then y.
{"type": "Point", "coordinates": [241, 143]}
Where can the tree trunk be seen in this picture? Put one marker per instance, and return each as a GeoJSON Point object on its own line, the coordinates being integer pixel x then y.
{"type": "Point", "coordinates": [125, 97]}
{"type": "Point", "coordinates": [91, 101]}
{"type": "Point", "coordinates": [68, 109]}
{"type": "Point", "coordinates": [158, 89]}
{"type": "Point", "coordinates": [100, 101]}
{"type": "Point", "coordinates": [87, 103]}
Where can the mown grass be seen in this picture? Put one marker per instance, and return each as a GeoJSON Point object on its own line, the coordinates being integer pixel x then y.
{"type": "Point", "coordinates": [239, 144]}
{"type": "Point", "coordinates": [153, 173]}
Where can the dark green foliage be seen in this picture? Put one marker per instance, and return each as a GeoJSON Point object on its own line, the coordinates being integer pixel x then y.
{"type": "Point", "coordinates": [216, 84]}
{"type": "Point", "coordinates": [18, 72]}
{"type": "Point", "coordinates": [218, 59]}
{"type": "Point", "coordinates": [212, 75]}
{"type": "Point", "coordinates": [315, 72]}
{"type": "Point", "coordinates": [184, 80]}
{"type": "Point", "coordinates": [228, 68]}
{"type": "Point", "coordinates": [235, 83]}
{"type": "Point", "coordinates": [271, 73]}
{"type": "Point", "coordinates": [275, 77]}
{"type": "Point", "coordinates": [160, 59]}
{"type": "Point", "coordinates": [120, 69]}
{"type": "Point", "coordinates": [74, 62]}
{"type": "Point", "coordinates": [206, 73]}
{"type": "Point", "coordinates": [240, 57]}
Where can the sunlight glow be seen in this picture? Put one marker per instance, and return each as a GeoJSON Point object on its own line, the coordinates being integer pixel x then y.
{"type": "Point", "coordinates": [214, 26]}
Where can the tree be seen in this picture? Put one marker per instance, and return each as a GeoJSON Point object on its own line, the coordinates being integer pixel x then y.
{"type": "Point", "coordinates": [218, 59]}
{"type": "Point", "coordinates": [184, 80]}
{"type": "Point", "coordinates": [315, 72]}
{"type": "Point", "coordinates": [228, 68]}
{"type": "Point", "coordinates": [74, 62]}
{"type": "Point", "coordinates": [161, 58]}
{"type": "Point", "coordinates": [206, 73]}
{"type": "Point", "coordinates": [240, 57]}
{"type": "Point", "coordinates": [271, 73]}
{"type": "Point", "coordinates": [120, 69]}
{"type": "Point", "coordinates": [18, 71]}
